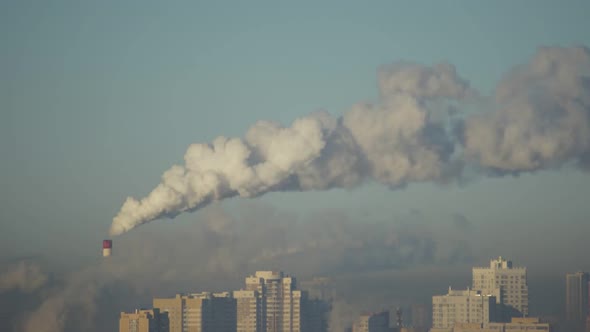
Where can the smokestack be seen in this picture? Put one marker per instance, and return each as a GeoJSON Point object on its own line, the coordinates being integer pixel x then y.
{"type": "Point", "coordinates": [107, 247]}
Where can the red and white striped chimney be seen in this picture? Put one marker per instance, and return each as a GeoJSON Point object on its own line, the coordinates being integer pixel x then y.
{"type": "Point", "coordinates": [107, 247]}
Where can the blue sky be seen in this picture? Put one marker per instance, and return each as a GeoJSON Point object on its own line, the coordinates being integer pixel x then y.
{"type": "Point", "coordinates": [97, 99]}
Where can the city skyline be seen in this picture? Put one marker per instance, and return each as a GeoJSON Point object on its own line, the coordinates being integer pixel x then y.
{"type": "Point", "coordinates": [387, 147]}
{"type": "Point", "coordinates": [271, 301]}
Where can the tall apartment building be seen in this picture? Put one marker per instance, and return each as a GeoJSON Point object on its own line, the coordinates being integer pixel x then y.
{"type": "Point", "coordinates": [250, 316]}
{"type": "Point", "coordinates": [576, 302]}
{"type": "Point", "coordinates": [143, 321]}
{"type": "Point", "coordinates": [373, 322]}
{"type": "Point", "coordinates": [462, 306]}
{"type": "Point", "coordinates": [509, 281]}
{"type": "Point", "coordinates": [199, 312]}
{"type": "Point", "coordinates": [282, 304]}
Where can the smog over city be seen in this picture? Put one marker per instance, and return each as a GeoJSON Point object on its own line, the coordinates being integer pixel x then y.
{"type": "Point", "coordinates": [294, 166]}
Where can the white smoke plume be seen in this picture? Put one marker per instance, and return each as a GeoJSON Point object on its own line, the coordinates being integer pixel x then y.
{"type": "Point", "coordinates": [543, 120]}
{"type": "Point", "coordinates": [391, 143]}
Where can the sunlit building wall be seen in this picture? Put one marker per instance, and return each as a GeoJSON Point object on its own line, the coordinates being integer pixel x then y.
{"type": "Point", "coordinates": [510, 281]}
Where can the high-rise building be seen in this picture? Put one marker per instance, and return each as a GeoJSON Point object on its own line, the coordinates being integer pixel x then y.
{"type": "Point", "coordinates": [220, 312]}
{"type": "Point", "coordinates": [576, 303]}
{"type": "Point", "coordinates": [143, 321]}
{"type": "Point", "coordinates": [282, 304]}
{"type": "Point", "coordinates": [508, 283]}
{"type": "Point", "coordinates": [372, 322]}
{"type": "Point", "coordinates": [199, 312]}
{"type": "Point", "coordinates": [250, 316]}
{"type": "Point", "coordinates": [318, 305]}
{"type": "Point", "coordinates": [462, 306]}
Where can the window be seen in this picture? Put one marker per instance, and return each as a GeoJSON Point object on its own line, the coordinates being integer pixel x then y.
{"type": "Point", "coordinates": [133, 325]}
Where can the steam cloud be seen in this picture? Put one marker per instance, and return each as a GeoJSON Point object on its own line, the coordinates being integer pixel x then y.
{"type": "Point", "coordinates": [542, 120]}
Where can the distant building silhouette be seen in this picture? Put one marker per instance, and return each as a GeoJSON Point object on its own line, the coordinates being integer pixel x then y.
{"type": "Point", "coordinates": [420, 316]}
{"type": "Point", "coordinates": [315, 313]}
{"type": "Point", "coordinates": [320, 288]}
{"type": "Point", "coordinates": [372, 322]}
{"type": "Point", "coordinates": [576, 301]}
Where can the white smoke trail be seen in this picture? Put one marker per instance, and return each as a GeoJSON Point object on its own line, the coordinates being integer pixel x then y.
{"type": "Point", "coordinates": [543, 120]}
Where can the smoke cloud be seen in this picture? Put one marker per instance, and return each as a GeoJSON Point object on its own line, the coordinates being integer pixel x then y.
{"type": "Point", "coordinates": [543, 116]}
{"type": "Point", "coordinates": [24, 276]}
{"type": "Point", "coordinates": [542, 121]}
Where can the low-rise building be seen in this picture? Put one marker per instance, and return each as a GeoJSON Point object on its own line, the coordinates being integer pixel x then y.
{"type": "Point", "coordinates": [527, 324]}
{"type": "Point", "coordinates": [462, 306]}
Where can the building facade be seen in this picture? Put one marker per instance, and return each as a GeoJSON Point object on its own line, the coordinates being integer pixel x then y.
{"type": "Point", "coordinates": [462, 306]}
{"type": "Point", "coordinates": [316, 315]}
{"type": "Point", "coordinates": [508, 283]}
{"type": "Point", "coordinates": [528, 324]}
{"type": "Point", "coordinates": [373, 322]}
{"type": "Point", "coordinates": [143, 321]}
{"type": "Point", "coordinates": [282, 304]}
{"type": "Point", "coordinates": [250, 316]}
{"type": "Point", "coordinates": [576, 300]}
{"type": "Point", "coordinates": [199, 312]}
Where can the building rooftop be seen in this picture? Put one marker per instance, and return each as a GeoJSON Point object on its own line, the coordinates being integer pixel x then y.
{"type": "Point", "coordinates": [500, 264]}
